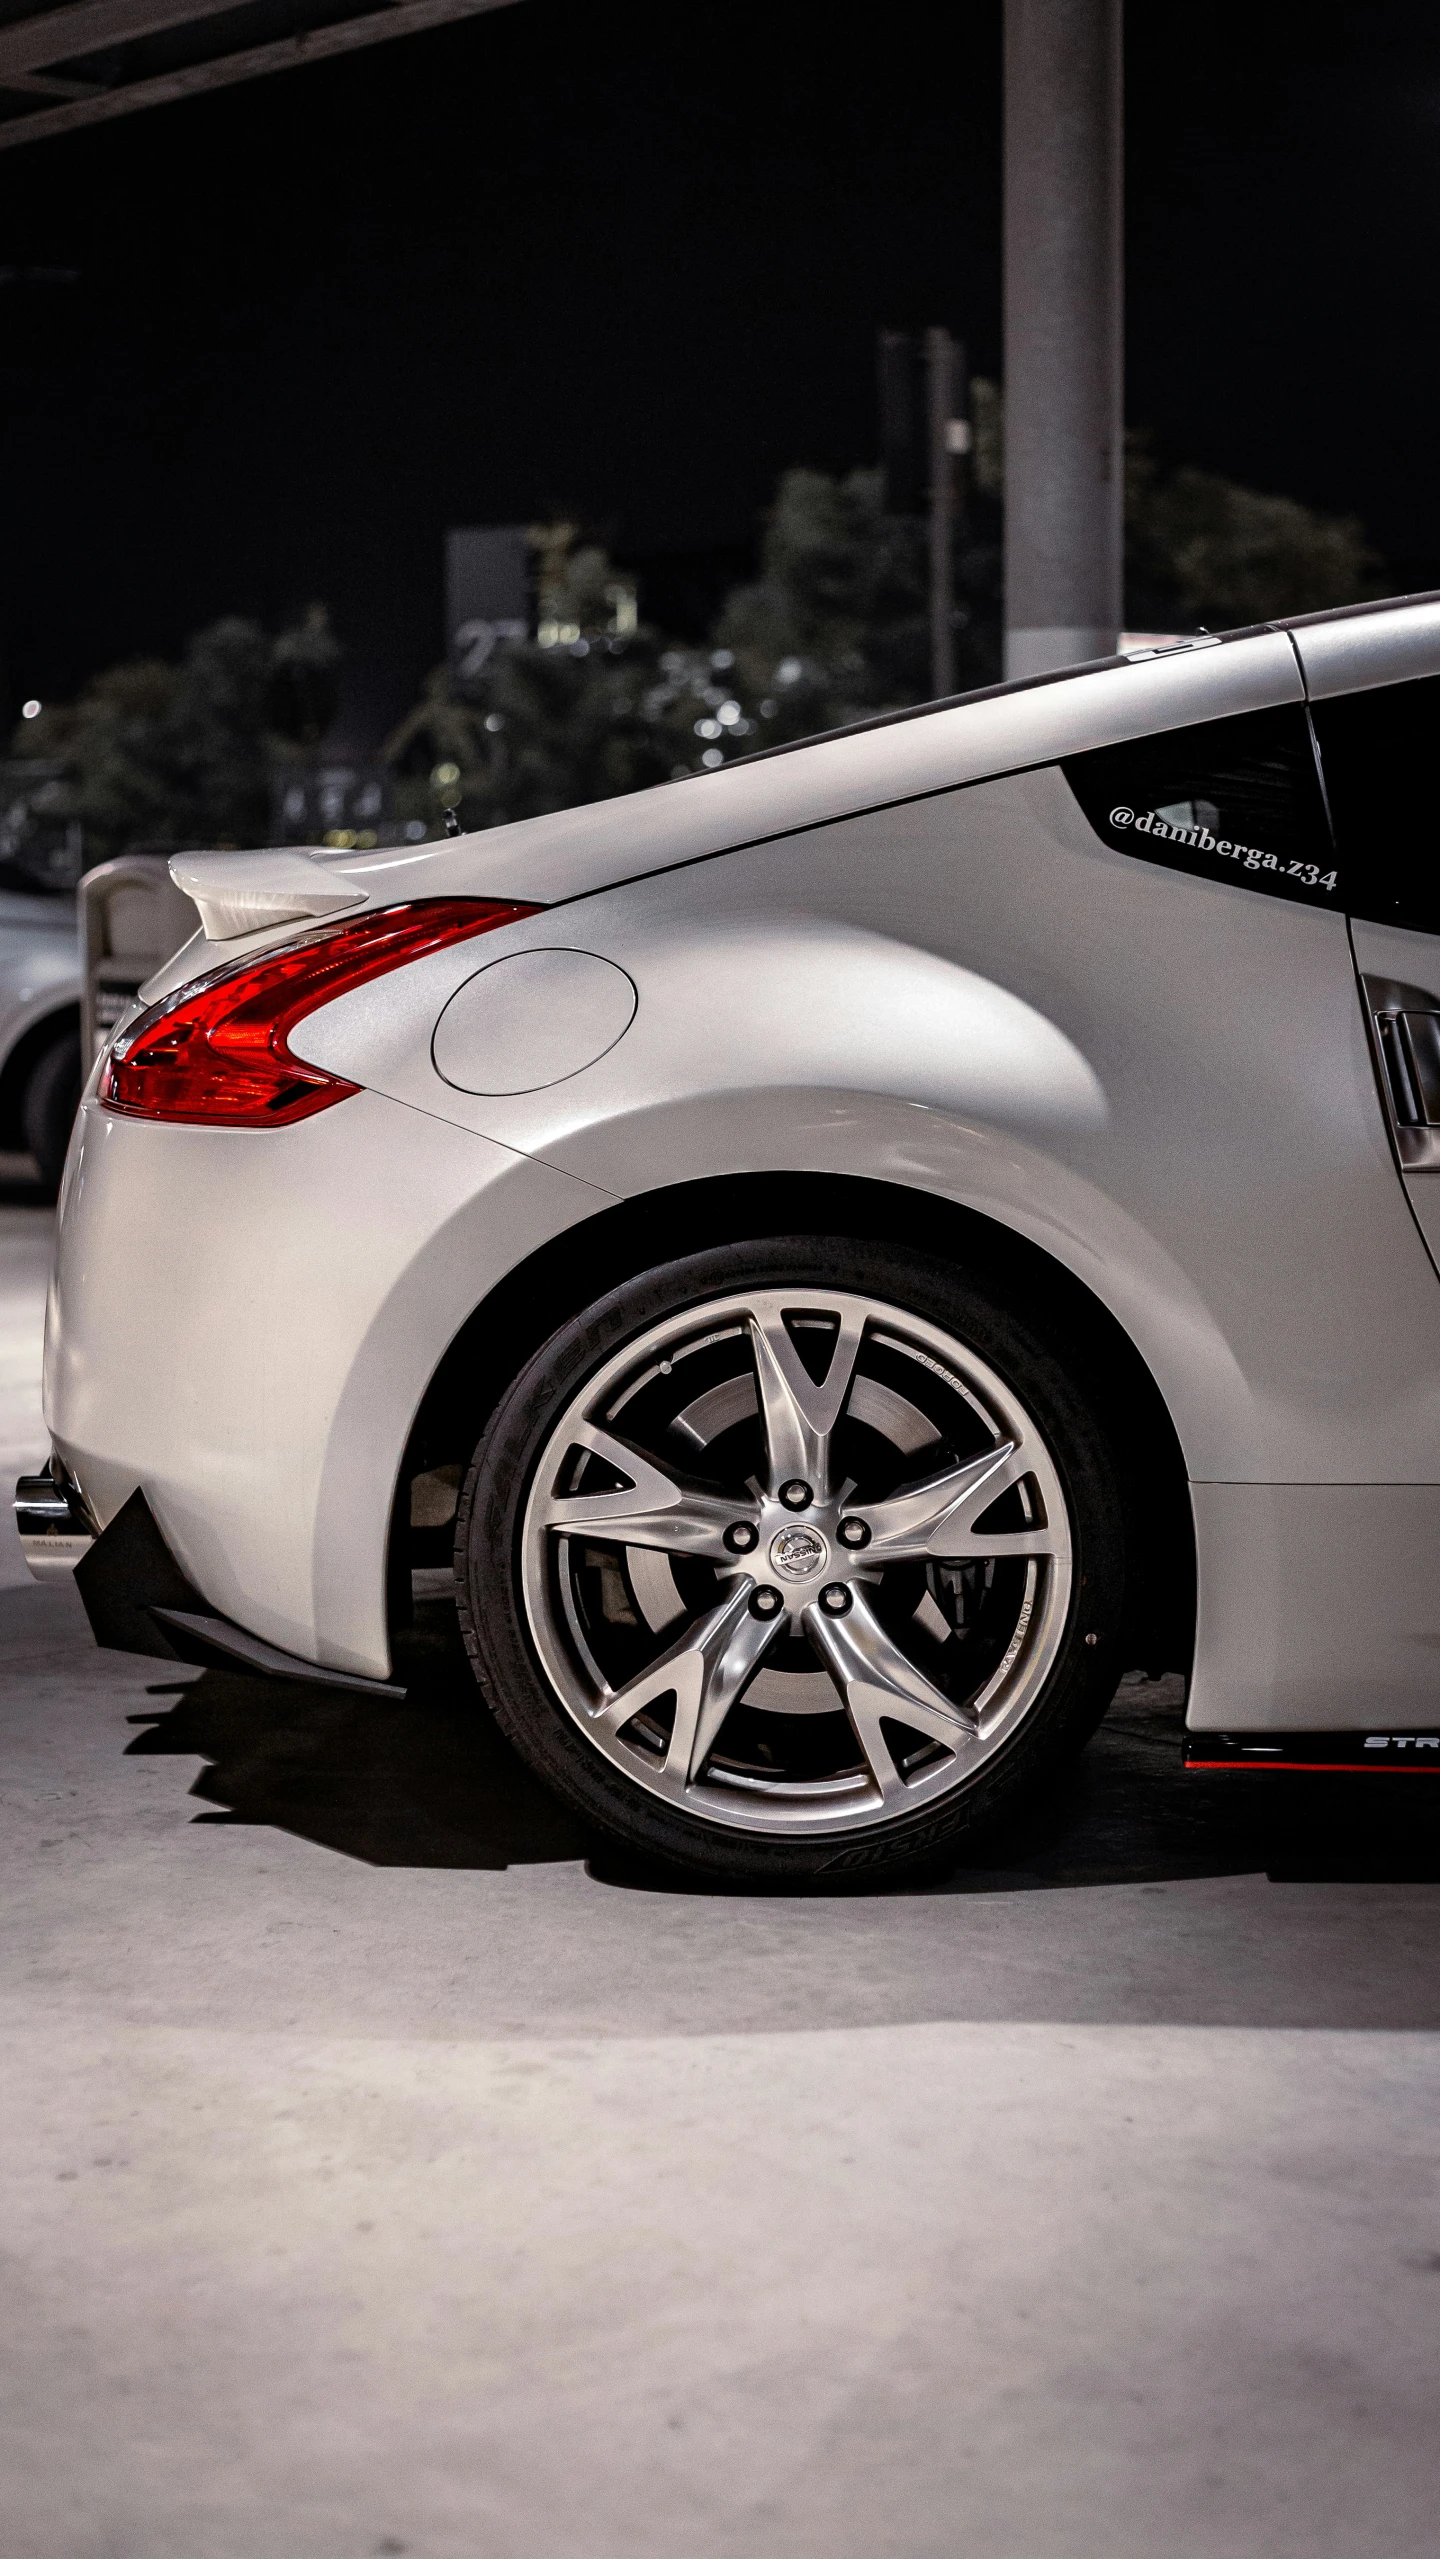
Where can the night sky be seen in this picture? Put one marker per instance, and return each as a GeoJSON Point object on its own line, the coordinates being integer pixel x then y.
{"type": "Point", "coordinates": [627, 262]}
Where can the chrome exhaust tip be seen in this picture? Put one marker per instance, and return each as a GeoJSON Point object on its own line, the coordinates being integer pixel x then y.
{"type": "Point", "coordinates": [55, 1529]}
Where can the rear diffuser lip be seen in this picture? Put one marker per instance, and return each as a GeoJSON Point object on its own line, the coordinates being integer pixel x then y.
{"type": "Point", "coordinates": [138, 1600]}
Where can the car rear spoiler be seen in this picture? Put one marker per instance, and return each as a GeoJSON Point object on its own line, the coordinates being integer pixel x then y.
{"type": "Point", "coordinates": [239, 893]}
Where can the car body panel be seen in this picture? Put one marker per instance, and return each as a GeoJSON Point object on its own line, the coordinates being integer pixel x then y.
{"type": "Point", "coordinates": [297, 1317]}
{"type": "Point", "coordinates": [1319, 1607]}
{"type": "Point", "coordinates": [888, 997]}
{"type": "Point", "coordinates": [1348, 652]}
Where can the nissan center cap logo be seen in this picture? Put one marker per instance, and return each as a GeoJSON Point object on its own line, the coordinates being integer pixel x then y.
{"type": "Point", "coordinates": [798, 1552]}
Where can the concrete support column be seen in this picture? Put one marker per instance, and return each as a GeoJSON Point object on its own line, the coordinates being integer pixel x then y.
{"type": "Point", "coordinates": [1064, 332]}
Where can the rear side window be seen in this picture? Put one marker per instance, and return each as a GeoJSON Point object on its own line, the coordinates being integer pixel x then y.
{"type": "Point", "coordinates": [1379, 751]}
{"type": "Point", "coordinates": [1235, 800]}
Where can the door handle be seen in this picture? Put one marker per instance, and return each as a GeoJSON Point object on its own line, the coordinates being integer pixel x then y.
{"type": "Point", "coordinates": [1405, 1036]}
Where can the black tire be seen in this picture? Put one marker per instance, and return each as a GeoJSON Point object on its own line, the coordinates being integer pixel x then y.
{"type": "Point", "coordinates": [52, 1098]}
{"type": "Point", "coordinates": [1081, 1669]}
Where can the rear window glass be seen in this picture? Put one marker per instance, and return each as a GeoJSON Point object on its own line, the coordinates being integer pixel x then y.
{"type": "Point", "coordinates": [1236, 800]}
{"type": "Point", "coordinates": [1379, 753]}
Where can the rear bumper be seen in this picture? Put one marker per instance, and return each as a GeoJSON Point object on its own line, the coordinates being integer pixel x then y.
{"type": "Point", "coordinates": [244, 1324]}
{"type": "Point", "coordinates": [134, 1593]}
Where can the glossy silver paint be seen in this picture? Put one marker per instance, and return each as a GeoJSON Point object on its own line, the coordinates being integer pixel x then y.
{"type": "Point", "coordinates": [1346, 652]}
{"type": "Point", "coordinates": [530, 1020]}
{"type": "Point", "coordinates": [261, 1381]}
{"type": "Point", "coordinates": [915, 963]}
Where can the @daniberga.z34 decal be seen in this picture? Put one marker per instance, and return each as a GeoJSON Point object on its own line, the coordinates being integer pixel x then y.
{"type": "Point", "coordinates": [1251, 857]}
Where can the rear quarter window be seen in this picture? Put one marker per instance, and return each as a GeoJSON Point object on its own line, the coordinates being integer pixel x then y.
{"type": "Point", "coordinates": [1237, 800]}
{"type": "Point", "coordinates": [1379, 749]}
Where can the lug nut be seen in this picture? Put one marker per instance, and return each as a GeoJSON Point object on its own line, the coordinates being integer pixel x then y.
{"type": "Point", "coordinates": [795, 1495]}
{"type": "Point", "coordinates": [853, 1532]}
{"type": "Point", "coordinates": [765, 1602]}
{"type": "Point", "coordinates": [740, 1537]}
{"type": "Point", "coordinates": [834, 1599]}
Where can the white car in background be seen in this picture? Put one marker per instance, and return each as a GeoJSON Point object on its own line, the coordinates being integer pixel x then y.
{"type": "Point", "coordinates": [849, 1253]}
{"type": "Point", "coordinates": [40, 1063]}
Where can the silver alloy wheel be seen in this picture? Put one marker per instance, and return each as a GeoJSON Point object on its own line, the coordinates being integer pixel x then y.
{"type": "Point", "coordinates": [796, 1561]}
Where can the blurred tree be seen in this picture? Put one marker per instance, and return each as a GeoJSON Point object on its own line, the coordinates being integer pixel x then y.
{"type": "Point", "coordinates": [215, 738]}
{"type": "Point", "coordinates": [104, 746]}
{"type": "Point", "coordinates": [1200, 549]}
{"type": "Point", "coordinates": [833, 629]}
{"type": "Point", "coordinates": [1204, 550]}
{"type": "Point", "coordinates": [836, 627]}
{"type": "Point", "coordinates": [303, 695]}
{"type": "Point", "coordinates": [567, 717]}
{"type": "Point", "coordinates": [175, 758]}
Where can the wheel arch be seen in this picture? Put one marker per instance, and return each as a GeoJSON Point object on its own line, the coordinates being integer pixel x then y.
{"type": "Point", "coordinates": [568, 1273]}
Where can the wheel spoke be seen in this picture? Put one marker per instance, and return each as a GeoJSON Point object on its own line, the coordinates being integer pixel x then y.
{"type": "Point", "coordinates": [937, 1518]}
{"type": "Point", "coordinates": [876, 1680]}
{"type": "Point", "coordinates": [716, 1391]}
{"type": "Point", "coordinates": [654, 1509]}
{"type": "Point", "coordinates": [706, 1668]}
{"type": "Point", "coordinates": [798, 1415]}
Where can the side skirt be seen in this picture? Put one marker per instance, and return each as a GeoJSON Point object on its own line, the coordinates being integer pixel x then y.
{"type": "Point", "coordinates": [1389, 1754]}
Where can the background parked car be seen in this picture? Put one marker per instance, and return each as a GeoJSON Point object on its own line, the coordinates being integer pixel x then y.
{"type": "Point", "coordinates": [40, 1058]}
{"type": "Point", "coordinates": [73, 950]}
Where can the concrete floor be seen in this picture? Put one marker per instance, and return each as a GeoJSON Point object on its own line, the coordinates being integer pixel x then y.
{"type": "Point", "coordinates": [384, 2169]}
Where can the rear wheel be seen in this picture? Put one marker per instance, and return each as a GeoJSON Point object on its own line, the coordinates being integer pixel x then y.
{"type": "Point", "coordinates": [792, 1558]}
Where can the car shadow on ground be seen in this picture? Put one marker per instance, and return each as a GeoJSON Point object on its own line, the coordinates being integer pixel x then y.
{"type": "Point", "coordinates": [431, 1781]}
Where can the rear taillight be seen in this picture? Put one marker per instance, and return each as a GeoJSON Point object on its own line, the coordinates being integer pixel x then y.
{"type": "Point", "coordinates": [217, 1051]}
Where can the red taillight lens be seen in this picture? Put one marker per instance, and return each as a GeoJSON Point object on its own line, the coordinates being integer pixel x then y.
{"type": "Point", "coordinates": [217, 1051]}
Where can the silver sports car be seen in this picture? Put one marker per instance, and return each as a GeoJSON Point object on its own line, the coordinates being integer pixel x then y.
{"type": "Point", "coordinates": [849, 1254]}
